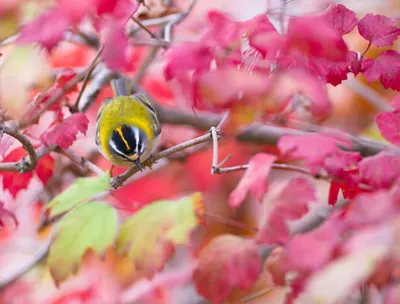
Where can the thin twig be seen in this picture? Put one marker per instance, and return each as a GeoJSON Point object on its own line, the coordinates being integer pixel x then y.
{"type": "Point", "coordinates": [145, 65]}
{"type": "Point", "coordinates": [99, 81]}
{"type": "Point", "coordinates": [88, 73]}
{"type": "Point", "coordinates": [256, 294]}
{"type": "Point", "coordinates": [81, 161]}
{"type": "Point", "coordinates": [143, 27]}
{"type": "Point", "coordinates": [371, 96]}
{"type": "Point", "coordinates": [52, 100]}
{"type": "Point", "coordinates": [25, 267]}
{"type": "Point", "coordinates": [215, 139]}
{"type": "Point", "coordinates": [229, 222]}
{"type": "Point", "coordinates": [179, 18]}
{"type": "Point", "coordinates": [24, 165]}
{"type": "Point", "coordinates": [120, 179]}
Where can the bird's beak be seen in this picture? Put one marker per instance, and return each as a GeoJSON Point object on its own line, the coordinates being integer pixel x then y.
{"type": "Point", "coordinates": [137, 162]}
{"type": "Point", "coordinates": [136, 159]}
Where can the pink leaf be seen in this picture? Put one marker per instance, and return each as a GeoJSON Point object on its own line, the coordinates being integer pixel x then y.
{"type": "Point", "coordinates": [341, 18]}
{"type": "Point", "coordinates": [187, 57]}
{"type": "Point", "coordinates": [227, 262]}
{"type": "Point", "coordinates": [378, 30]}
{"type": "Point", "coordinates": [311, 251]}
{"type": "Point", "coordinates": [314, 36]}
{"type": "Point", "coordinates": [115, 47]}
{"type": "Point", "coordinates": [48, 29]}
{"type": "Point", "coordinates": [292, 82]}
{"type": "Point", "coordinates": [5, 144]}
{"type": "Point", "coordinates": [223, 31]}
{"type": "Point", "coordinates": [289, 204]}
{"type": "Point", "coordinates": [381, 170]}
{"type": "Point", "coordinates": [64, 134]}
{"type": "Point", "coordinates": [223, 86]}
{"type": "Point", "coordinates": [387, 68]}
{"type": "Point", "coordinates": [389, 126]}
{"type": "Point", "coordinates": [313, 148]}
{"type": "Point", "coordinates": [4, 213]}
{"type": "Point", "coordinates": [254, 180]}
{"type": "Point", "coordinates": [371, 208]}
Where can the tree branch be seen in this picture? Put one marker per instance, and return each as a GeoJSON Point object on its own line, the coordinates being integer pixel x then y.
{"type": "Point", "coordinates": [260, 133]}
{"type": "Point", "coordinates": [83, 162]}
{"type": "Point", "coordinates": [52, 100]}
{"type": "Point", "coordinates": [120, 179]}
{"type": "Point", "coordinates": [24, 165]}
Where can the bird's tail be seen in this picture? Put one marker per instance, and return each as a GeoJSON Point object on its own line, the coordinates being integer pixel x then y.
{"type": "Point", "coordinates": [122, 86]}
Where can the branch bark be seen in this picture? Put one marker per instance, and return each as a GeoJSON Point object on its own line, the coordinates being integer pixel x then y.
{"type": "Point", "coordinates": [24, 165]}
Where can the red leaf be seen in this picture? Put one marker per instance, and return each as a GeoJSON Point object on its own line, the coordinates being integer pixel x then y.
{"type": "Point", "coordinates": [64, 77]}
{"type": "Point", "coordinates": [227, 262]}
{"type": "Point", "coordinates": [334, 189]}
{"type": "Point", "coordinates": [387, 68]}
{"type": "Point", "coordinates": [290, 203]}
{"type": "Point", "coordinates": [45, 168]}
{"type": "Point", "coordinates": [115, 47]}
{"type": "Point", "coordinates": [106, 6]}
{"type": "Point", "coordinates": [371, 208]}
{"type": "Point", "coordinates": [64, 134]}
{"type": "Point", "coordinates": [48, 29]}
{"type": "Point", "coordinates": [389, 126]}
{"type": "Point", "coordinates": [254, 179]}
{"type": "Point", "coordinates": [337, 72]}
{"type": "Point", "coordinates": [378, 29]}
{"type": "Point", "coordinates": [341, 18]}
{"type": "Point", "coordinates": [314, 37]}
{"type": "Point", "coordinates": [6, 213]}
{"type": "Point", "coordinates": [313, 148]}
{"type": "Point", "coordinates": [15, 181]}
{"type": "Point", "coordinates": [359, 64]}
{"type": "Point", "coordinates": [381, 170]}
{"type": "Point", "coordinates": [311, 251]}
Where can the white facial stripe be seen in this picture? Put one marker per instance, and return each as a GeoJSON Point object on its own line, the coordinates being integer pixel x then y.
{"type": "Point", "coordinates": [136, 131]}
{"type": "Point", "coordinates": [113, 145]}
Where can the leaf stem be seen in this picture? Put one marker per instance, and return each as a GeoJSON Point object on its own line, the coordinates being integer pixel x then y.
{"type": "Point", "coordinates": [229, 222]}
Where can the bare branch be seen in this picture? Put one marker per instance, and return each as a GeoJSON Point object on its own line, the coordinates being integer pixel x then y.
{"type": "Point", "coordinates": [26, 266]}
{"type": "Point", "coordinates": [145, 65]}
{"type": "Point", "coordinates": [374, 99]}
{"type": "Point", "coordinates": [178, 19]}
{"type": "Point", "coordinates": [23, 165]}
{"type": "Point", "coordinates": [120, 179]}
{"type": "Point", "coordinates": [87, 76]}
{"type": "Point", "coordinates": [143, 27]}
{"type": "Point", "coordinates": [80, 161]}
{"type": "Point", "coordinates": [99, 81]}
{"type": "Point", "coordinates": [52, 100]}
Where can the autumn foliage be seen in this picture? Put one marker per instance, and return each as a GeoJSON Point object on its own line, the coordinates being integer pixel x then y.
{"type": "Point", "coordinates": [300, 211]}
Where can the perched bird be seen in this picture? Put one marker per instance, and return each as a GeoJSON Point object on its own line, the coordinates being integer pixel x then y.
{"type": "Point", "coordinates": [127, 127]}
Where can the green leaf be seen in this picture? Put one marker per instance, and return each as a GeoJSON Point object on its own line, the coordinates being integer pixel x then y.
{"type": "Point", "coordinates": [92, 225]}
{"type": "Point", "coordinates": [149, 236]}
{"type": "Point", "coordinates": [81, 190]}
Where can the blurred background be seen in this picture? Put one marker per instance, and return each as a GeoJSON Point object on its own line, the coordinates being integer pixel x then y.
{"type": "Point", "coordinates": [25, 71]}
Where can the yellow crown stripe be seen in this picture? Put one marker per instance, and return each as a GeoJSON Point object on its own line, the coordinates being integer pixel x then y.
{"type": "Point", "coordinates": [119, 130]}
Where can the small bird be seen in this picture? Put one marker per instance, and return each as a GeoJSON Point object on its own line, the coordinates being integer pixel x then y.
{"type": "Point", "coordinates": [127, 126]}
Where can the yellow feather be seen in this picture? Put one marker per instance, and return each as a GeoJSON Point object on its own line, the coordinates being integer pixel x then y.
{"type": "Point", "coordinates": [123, 110]}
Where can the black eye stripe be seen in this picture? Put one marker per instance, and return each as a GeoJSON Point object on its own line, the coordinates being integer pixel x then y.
{"type": "Point", "coordinates": [124, 140]}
